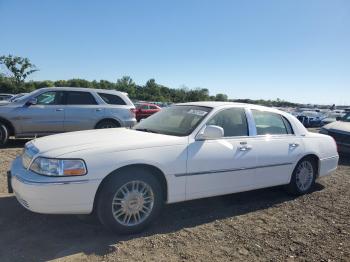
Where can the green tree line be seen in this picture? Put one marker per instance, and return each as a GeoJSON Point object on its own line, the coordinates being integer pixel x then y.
{"type": "Point", "coordinates": [17, 69]}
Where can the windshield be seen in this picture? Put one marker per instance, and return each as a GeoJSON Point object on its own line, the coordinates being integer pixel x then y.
{"type": "Point", "coordinates": [346, 118]}
{"type": "Point", "coordinates": [174, 120]}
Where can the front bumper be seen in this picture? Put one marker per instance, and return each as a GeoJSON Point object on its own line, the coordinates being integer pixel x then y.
{"type": "Point", "coordinates": [52, 195]}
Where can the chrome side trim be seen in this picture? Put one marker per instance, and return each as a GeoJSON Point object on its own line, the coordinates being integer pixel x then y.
{"type": "Point", "coordinates": [231, 170]}
{"type": "Point", "coordinates": [54, 183]}
{"type": "Point", "coordinates": [329, 158]}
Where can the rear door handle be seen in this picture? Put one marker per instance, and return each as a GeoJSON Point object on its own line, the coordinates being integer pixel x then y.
{"type": "Point", "coordinates": [99, 109]}
{"type": "Point", "coordinates": [59, 109]}
{"type": "Point", "coordinates": [293, 145]}
{"type": "Point", "coordinates": [244, 146]}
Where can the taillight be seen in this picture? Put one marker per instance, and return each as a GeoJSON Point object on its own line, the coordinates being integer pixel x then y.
{"type": "Point", "coordinates": [133, 111]}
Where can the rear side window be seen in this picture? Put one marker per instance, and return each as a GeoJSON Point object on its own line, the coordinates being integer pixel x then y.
{"type": "Point", "coordinates": [233, 121]}
{"type": "Point", "coordinates": [80, 98]}
{"type": "Point", "coordinates": [268, 123]}
{"type": "Point", "coordinates": [112, 99]}
{"type": "Point", "coordinates": [153, 107]}
{"type": "Point", "coordinates": [144, 107]}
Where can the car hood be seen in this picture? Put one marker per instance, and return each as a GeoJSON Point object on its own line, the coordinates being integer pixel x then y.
{"type": "Point", "coordinates": [340, 126]}
{"type": "Point", "coordinates": [114, 139]}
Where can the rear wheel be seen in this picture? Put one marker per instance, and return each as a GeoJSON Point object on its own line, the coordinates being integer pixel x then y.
{"type": "Point", "coordinates": [4, 134]}
{"type": "Point", "coordinates": [303, 178]}
{"type": "Point", "coordinates": [107, 124]}
{"type": "Point", "coordinates": [130, 201]}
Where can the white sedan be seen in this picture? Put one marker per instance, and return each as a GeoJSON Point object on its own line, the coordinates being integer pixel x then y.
{"type": "Point", "coordinates": [184, 152]}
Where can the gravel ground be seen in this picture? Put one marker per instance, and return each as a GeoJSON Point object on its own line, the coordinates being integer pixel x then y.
{"type": "Point", "coordinates": [264, 225]}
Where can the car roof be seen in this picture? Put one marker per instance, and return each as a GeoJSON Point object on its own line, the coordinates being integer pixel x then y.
{"type": "Point", "coordinates": [83, 89]}
{"type": "Point", "coordinates": [148, 104]}
{"type": "Point", "coordinates": [214, 104]}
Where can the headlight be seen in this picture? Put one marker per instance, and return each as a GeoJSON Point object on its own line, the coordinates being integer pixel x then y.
{"type": "Point", "coordinates": [58, 167]}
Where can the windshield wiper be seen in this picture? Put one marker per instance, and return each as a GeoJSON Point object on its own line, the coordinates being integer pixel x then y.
{"type": "Point", "coordinates": [146, 130]}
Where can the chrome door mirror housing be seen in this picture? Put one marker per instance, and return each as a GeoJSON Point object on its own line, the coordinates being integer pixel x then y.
{"type": "Point", "coordinates": [210, 132]}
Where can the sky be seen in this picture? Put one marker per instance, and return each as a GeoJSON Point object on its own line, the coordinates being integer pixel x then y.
{"type": "Point", "coordinates": [296, 50]}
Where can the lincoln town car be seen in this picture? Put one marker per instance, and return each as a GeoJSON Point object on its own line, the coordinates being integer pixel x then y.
{"type": "Point", "coordinates": [187, 151]}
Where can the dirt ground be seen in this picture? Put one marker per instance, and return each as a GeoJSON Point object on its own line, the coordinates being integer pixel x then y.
{"type": "Point", "coordinates": [264, 225]}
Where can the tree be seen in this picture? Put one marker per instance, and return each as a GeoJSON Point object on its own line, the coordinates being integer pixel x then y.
{"type": "Point", "coordinates": [126, 84]}
{"type": "Point", "coordinates": [20, 67]}
{"type": "Point", "coordinates": [221, 97]}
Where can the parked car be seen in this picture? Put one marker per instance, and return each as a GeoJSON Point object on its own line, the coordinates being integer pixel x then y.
{"type": "Point", "coordinates": [12, 99]}
{"type": "Point", "coordinates": [310, 118]}
{"type": "Point", "coordinates": [5, 96]}
{"type": "Point", "coordinates": [184, 152]}
{"type": "Point", "coordinates": [340, 131]}
{"type": "Point", "coordinates": [331, 117]}
{"type": "Point", "coordinates": [62, 109]}
{"type": "Point", "coordinates": [145, 110]}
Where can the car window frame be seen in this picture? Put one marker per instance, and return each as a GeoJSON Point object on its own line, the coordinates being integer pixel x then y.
{"type": "Point", "coordinates": [283, 118]}
{"type": "Point", "coordinates": [100, 94]}
{"type": "Point", "coordinates": [230, 108]}
{"type": "Point", "coordinates": [213, 113]}
{"type": "Point", "coordinates": [65, 98]}
{"type": "Point", "coordinates": [50, 91]}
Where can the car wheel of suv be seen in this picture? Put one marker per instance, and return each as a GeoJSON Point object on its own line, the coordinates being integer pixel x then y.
{"type": "Point", "coordinates": [303, 178]}
{"type": "Point", "coordinates": [4, 135]}
{"type": "Point", "coordinates": [107, 124]}
{"type": "Point", "coordinates": [130, 201]}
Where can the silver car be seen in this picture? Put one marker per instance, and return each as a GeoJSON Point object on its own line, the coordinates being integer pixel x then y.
{"type": "Point", "coordinates": [62, 109]}
{"type": "Point", "coordinates": [5, 97]}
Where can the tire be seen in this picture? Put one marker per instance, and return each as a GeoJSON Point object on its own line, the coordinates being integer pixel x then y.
{"type": "Point", "coordinates": [4, 135]}
{"type": "Point", "coordinates": [107, 124]}
{"type": "Point", "coordinates": [301, 183]}
{"type": "Point", "coordinates": [124, 195]}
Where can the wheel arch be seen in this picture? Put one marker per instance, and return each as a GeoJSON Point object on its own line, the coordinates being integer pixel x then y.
{"type": "Point", "coordinates": [155, 171]}
{"type": "Point", "coordinates": [9, 125]}
{"type": "Point", "coordinates": [315, 158]}
{"type": "Point", "coordinates": [117, 121]}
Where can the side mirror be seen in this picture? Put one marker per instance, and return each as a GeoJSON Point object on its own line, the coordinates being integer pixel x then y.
{"type": "Point", "coordinates": [338, 118]}
{"type": "Point", "coordinates": [210, 132]}
{"type": "Point", "coordinates": [32, 101]}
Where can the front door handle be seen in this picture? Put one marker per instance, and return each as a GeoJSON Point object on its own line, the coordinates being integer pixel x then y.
{"type": "Point", "coordinates": [293, 145]}
{"type": "Point", "coordinates": [59, 109]}
{"type": "Point", "coordinates": [99, 109]}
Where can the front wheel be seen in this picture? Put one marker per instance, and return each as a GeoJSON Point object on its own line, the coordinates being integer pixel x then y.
{"type": "Point", "coordinates": [303, 178]}
{"type": "Point", "coordinates": [130, 201]}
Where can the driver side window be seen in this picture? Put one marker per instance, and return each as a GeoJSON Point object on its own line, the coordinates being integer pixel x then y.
{"type": "Point", "coordinates": [50, 98]}
{"type": "Point", "coordinates": [232, 120]}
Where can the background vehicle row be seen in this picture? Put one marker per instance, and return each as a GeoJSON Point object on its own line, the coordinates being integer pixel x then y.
{"type": "Point", "coordinates": [55, 110]}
